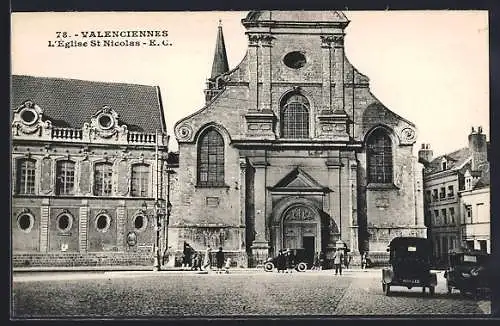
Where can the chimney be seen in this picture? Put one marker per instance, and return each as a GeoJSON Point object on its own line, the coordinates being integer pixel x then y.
{"type": "Point", "coordinates": [478, 148]}
{"type": "Point", "coordinates": [425, 154]}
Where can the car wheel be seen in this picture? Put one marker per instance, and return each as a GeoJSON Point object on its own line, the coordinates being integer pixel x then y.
{"type": "Point", "coordinates": [268, 267]}
{"type": "Point", "coordinates": [431, 290]}
{"type": "Point", "coordinates": [302, 267]}
{"type": "Point", "coordinates": [387, 289]}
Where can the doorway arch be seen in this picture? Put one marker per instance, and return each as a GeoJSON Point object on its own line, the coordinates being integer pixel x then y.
{"type": "Point", "coordinates": [301, 228]}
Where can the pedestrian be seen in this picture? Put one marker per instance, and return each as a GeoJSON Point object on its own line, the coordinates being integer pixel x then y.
{"type": "Point", "coordinates": [322, 260]}
{"type": "Point", "coordinates": [347, 260]}
{"type": "Point", "coordinates": [289, 261]}
{"type": "Point", "coordinates": [227, 265]}
{"type": "Point", "coordinates": [207, 261]}
{"type": "Point", "coordinates": [187, 255]}
{"type": "Point", "coordinates": [219, 259]}
{"type": "Point", "coordinates": [364, 257]}
{"type": "Point", "coordinates": [315, 262]}
{"type": "Point", "coordinates": [338, 258]}
{"type": "Point", "coordinates": [166, 255]}
{"type": "Point", "coordinates": [281, 262]}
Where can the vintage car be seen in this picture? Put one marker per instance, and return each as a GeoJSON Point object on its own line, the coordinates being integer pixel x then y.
{"type": "Point", "coordinates": [468, 272]}
{"type": "Point", "coordinates": [409, 259]}
{"type": "Point", "coordinates": [300, 262]}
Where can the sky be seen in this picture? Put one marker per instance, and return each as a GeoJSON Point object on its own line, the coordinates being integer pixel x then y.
{"type": "Point", "coordinates": [430, 67]}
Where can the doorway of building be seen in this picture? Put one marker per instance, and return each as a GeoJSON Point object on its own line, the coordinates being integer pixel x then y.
{"type": "Point", "coordinates": [308, 243]}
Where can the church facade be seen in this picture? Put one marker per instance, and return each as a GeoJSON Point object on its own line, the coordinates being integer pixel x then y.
{"type": "Point", "coordinates": [292, 150]}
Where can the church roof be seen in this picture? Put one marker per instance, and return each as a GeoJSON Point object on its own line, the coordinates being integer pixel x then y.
{"type": "Point", "coordinates": [331, 16]}
{"type": "Point", "coordinates": [71, 102]}
{"type": "Point", "coordinates": [220, 64]}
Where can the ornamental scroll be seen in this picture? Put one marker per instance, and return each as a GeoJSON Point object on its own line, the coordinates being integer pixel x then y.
{"type": "Point", "coordinates": [299, 213]}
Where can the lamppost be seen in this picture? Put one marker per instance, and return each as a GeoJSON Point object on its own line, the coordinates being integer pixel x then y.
{"type": "Point", "coordinates": [158, 214]}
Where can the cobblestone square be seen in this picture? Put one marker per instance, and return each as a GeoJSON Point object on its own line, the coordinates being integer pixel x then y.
{"type": "Point", "coordinates": [241, 293]}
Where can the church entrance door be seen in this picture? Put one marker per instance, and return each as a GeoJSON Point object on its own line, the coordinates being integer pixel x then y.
{"type": "Point", "coordinates": [301, 227]}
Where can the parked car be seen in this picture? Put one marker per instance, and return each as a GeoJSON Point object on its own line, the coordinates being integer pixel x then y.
{"type": "Point", "coordinates": [468, 272]}
{"type": "Point", "coordinates": [409, 259]}
{"type": "Point", "coordinates": [300, 261]}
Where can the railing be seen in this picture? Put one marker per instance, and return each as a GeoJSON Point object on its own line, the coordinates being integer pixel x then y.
{"type": "Point", "coordinates": [67, 133]}
{"type": "Point", "coordinates": [139, 137]}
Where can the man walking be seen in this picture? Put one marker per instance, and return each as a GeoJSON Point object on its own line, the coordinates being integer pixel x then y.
{"type": "Point", "coordinates": [338, 258]}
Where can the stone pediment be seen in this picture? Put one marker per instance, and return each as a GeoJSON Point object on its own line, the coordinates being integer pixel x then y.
{"type": "Point", "coordinates": [300, 181]}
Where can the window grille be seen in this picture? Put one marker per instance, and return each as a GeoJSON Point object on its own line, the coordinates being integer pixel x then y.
{"type": "Point", "coordinates": [139, 180]}
{"type": "Point", "coordinates": [26, 177]}
{"type": "Point", "coordinates": [103, 179]}
{"type": "Point", "coordinates": [379, 157]}
{"type": "Point", "coordinates": [211, 159]}
{"type": "Point", "coordinates": [295, 117]}
{"type": "Point", "coordinates": [65, 177]}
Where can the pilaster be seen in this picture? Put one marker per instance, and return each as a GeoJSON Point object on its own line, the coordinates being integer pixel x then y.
{"type": "Point", "coordinates": [121, 220]}
{"type": "Point", "coordinates": [253, 44]}
{"type": "Point", "coordinates": [265, 100]}
{"type": "Point", "coordinates": [83, 226]}
{"type": "Point", "coordinates": [44, 225]}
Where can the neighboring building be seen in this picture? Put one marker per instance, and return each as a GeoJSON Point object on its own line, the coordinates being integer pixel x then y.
{"type": "Point", "coordinates": [445, 179]}
{"type": "Point", "coordinates": [84, 181]}
{"type": "Point", "coordinates": [291, 149]}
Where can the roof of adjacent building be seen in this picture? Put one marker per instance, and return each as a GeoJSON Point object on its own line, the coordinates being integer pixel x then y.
{"type": "Point", "coordinates": [455, 160]}
{"type": "Point", "coordinates": [71, 102]}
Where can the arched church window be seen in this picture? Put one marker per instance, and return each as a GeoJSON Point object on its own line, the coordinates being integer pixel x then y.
{"type": "Point", "coordinates": [211, 159]}
{"type": "Point", "coordinates": [379, 157]}
{"type": "Point", "coordinates": [295, 117]}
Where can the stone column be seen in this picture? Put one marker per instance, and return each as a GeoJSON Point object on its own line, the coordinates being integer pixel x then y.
{"type": "Point", "coordinates": [253, 44]}
{"type": "Point", "coordinates": [327, 70]}
{"type": "Point", "coordinates": [242, 189]}
{"type": "Point", "coordinates": [333, 165]}
{"type": "Point", "coordinates": [353, 205]}
{"type": "Point", "coordinates": [266, 71]}
{"type": "Point", "coordinates": [44, 225]}
{"type": "Point", "coordinates": [260, 246]}
{"type": "Point", "coordinates": [338, 97]}
{"type": "Point", "coordinates": [83, 225]}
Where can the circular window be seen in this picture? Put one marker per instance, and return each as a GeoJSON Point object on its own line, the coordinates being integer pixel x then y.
{"type": "Point", "coordinates": [294, 60]}
{"type": "Point", "coordinates": [102, 223]}
{"type": "Point", "coordinates": [29, 116]}
{"type": "Point", "coordinates": [64, 222]}
{"type": "Point", "coordinates": [25, 222]}
{"type": "Point", "coordinates": [140, 222]}
{"type": "Point", "coordinates": [105, 121]}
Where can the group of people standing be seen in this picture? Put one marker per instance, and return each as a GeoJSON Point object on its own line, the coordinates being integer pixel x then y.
{"type": "Point", "coordinates": [285, 262]}
{"type": "Point", "coordinates": [197, 260]}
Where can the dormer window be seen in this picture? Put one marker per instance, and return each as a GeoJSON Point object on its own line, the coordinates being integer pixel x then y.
{"type": "Point", "coordinates": [443, 165]}
{"type": "Point", "coordinates": [105, 121]}
{"type": "Point", "coordinates": [29, 116]}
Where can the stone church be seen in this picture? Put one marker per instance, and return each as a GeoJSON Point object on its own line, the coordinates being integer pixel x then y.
{"type": "Point", "coordinates": [292, 150]}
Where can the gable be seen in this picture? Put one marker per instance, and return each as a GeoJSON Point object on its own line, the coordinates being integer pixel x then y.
{"type": "Point", "coordinates": [299, 180]}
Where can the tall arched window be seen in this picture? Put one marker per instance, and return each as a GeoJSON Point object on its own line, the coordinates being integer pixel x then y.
{"type": "Point", "coordinates": [26, 176]}
{"type": "Point", "coordinates": [103, 175]}
{"type": "Point", "coordinates": [65, 177]}
{"type": "Point", "coordinates": [379, 157]}
{"type": "Point", "coordinates": [211, 159]}
{"type": "Point", "coordinates": [295, 117]}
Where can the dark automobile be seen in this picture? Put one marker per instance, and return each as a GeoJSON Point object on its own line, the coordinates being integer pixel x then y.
{"type": "Point", "coordinates": [410, 265]}
{"type": "Point", "coordinates": [300, 262]}
{"type": "Point", "coordinates": [468, 272]}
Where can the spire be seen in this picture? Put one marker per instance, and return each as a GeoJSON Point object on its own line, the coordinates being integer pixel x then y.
{"type": "Point", "coordinates": [220, 64]}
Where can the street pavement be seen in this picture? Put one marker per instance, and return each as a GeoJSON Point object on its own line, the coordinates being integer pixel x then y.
{"type": "Point", "coordinates": [245, 292]}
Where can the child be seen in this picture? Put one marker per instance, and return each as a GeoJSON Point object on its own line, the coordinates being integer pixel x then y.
{"type": "Point", "coordinates": [228, 265]}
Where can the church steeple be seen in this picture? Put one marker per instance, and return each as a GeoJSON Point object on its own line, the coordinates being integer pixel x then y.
{"type": "Point", "coordinates": [220, 64]}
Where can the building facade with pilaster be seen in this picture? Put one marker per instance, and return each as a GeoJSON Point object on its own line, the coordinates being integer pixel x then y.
{"type": "Point", "coordinates": [84, 172]}
{"type": "Point", "coordinates": [292, 150]}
